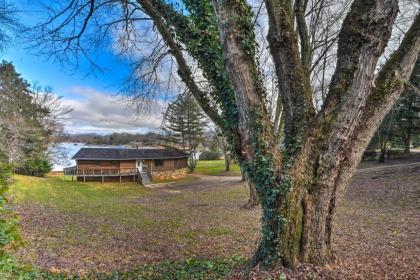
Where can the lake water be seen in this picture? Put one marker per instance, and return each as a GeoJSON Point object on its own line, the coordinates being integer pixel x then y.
{"type": "Point", "coordinates": [68, 150]}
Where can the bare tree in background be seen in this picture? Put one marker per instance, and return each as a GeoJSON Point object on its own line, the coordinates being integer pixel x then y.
{"type": "Point", "coordinates": [9, 23]}
{"type": "Point", "coordinates": [299, 182]}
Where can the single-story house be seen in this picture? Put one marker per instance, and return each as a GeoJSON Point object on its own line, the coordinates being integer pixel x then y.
{"type": "Point", "coordinates": [128, 164]}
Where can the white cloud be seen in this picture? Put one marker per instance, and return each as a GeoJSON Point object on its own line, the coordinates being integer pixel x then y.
{"type": "Point", "coordinates": [101, 112]}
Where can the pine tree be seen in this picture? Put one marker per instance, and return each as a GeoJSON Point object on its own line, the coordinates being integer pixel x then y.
{"type": "Point", "coordinates": [402, 121]}
{"type": "Point", "coordinates": [29, 121]}
{"type": "Point", "coordinates": [407, 110]}
{"type": "Point", "coordinates": [184, 124]}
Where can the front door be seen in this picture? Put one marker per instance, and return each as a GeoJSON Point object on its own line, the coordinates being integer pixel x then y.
{"type": "Point", "coordinates": [139, 165]}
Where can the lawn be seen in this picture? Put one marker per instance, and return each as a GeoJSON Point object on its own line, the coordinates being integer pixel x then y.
{"type": "Point", "coordinates": [93, 226]}
{"type": "Point", "coordinates": [195, 229]}
{"type": "Point", "coordinates": [216, 167]}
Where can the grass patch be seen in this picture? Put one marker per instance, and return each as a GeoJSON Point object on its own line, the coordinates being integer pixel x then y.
{"type": "Point", "coordinates": [188, 269]}
{"type": "Point", "coordinates": [94, 226]}
{"type": "Point", "coordinates": [90, 199]}
{"type": "Point", "coordinates": [216, 168]}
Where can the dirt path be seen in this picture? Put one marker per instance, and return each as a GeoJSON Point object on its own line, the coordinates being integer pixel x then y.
{"type": "Point", "coordinates": [389, 166]}
{"type": "Point", "coordinates": [204, 182]}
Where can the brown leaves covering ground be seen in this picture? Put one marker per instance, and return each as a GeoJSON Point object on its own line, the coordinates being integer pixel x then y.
{"type": "Point", "coordinates": [71, 229]}
{"type": "Point", "coordinates": [376, 233]}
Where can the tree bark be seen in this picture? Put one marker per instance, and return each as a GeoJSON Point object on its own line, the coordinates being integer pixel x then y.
{"type": "Point", "coordinates": [253, 196]}
{"type": "Point", "coordinates": [228, 159]}
{"type": "Point", "coordinates": [298, 202]}
{"type": "Point", "coordinates": [298, 194]}
{"type": "Point", "coordinates": [322, 168]}
{"type": "Point", "coordinates": [293, 79]}
{"type": "Point", "coordinates": [313, 198]}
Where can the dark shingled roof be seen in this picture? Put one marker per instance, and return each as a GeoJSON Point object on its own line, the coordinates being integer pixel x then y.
{"type": "Point", "coordinates": [121, 153]}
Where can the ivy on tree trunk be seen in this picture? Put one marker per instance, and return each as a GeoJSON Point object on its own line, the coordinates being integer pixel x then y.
{"type": "Point", "coordinates": [297, 186]}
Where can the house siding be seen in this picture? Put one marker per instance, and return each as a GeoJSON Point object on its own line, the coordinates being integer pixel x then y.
{"type": "Point", "coordinates": [168, 164]}
{"type": "Point", "coordinates": [98, 164]}
{"type": "Point", "coordinates": [130, 164]}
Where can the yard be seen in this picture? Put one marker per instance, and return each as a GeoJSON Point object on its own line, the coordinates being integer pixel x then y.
{"type": "Point", "coordinates": [82, 227]}
{"type": "Point", "coordinates": [216, 167]}
{"type": "Point", "coordinates": [75, 226]}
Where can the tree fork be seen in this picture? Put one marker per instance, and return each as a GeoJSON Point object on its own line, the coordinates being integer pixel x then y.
{"type": "Point", "coordinates": [316, 197]}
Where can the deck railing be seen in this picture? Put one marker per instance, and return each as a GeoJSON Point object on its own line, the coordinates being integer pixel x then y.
{"type": "Point", "coordinates": [74, 171]}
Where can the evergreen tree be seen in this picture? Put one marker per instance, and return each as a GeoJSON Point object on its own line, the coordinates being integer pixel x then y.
{"type": "Point", "coordinates": [407, 110]}
{"type": "Point", "coordinates": [29, 123]}
{"type": "Point", "coordinates": [184, 124]}
{"type": "Point", "coordinates": [402, 121]}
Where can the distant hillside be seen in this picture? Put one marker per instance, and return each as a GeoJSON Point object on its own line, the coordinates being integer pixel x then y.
{"type": "Point", "coordinates": [115, 139]}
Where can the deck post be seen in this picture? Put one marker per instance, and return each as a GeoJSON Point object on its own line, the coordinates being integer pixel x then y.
{"type": "Point", "coordinates": [84, 177]}
{"type": "Point", "coordinates": [102, 173]}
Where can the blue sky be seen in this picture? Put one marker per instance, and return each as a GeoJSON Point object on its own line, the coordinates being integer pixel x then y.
{"type": "Point", "coordinates": [37, 68]}
{"type": "Point", "coordinates": [92, 95]}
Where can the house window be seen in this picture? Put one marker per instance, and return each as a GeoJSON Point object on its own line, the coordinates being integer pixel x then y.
{"type": "Point", "coordinates": [158, 162]}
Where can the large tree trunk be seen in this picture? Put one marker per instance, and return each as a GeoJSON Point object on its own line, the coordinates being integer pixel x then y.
{"type": "Point", "coordinates": [332, 147]}
{"type": "Point", "coordinates": [319, 178]}
{"type": "Point", "coordinates": [298, 192]}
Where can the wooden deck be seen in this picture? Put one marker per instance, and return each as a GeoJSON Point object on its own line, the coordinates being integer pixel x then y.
{"type": "Point", "coordinates": [88, 173]}
{"type": "Point", "coordinates": [103, 173]}
{"type": "Point", "coordinates": [74, 171]}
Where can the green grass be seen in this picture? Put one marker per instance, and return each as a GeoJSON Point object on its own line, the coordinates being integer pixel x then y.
{"type": "Point", "coordinates": [123, 226]}
{"type": "Point", "coordinates": [216, 167]}
{"type": "Point", "coordinates": [188, 269]}
{"type": "Point", "coordinates": [66, 196]}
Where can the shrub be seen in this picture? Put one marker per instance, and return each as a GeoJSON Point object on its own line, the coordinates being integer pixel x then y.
{"type": "Point", "coordinates": [8, 232]}
{"type": "Point", "coordinates": [207, 155]}
{"type": "Point", "coordinates": [35, 167]}
{"type": "Point", "coordinates": [4, 176]}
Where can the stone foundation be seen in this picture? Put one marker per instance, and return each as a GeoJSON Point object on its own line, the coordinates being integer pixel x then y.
{"type": "Point", "coordinates": [170, 174]}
